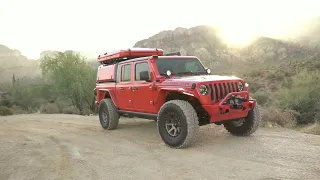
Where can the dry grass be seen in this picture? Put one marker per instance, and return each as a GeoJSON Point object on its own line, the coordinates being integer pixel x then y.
{"type": "Point", "coordinates": [49, 108]}
{"type": "Point", "coordinates": [17, 110]}
{"type": "Point", "coordinates": [311, 129]}
{"type": "Point", "coordinates": [275, 117]}
{"type": "Point", "coordinates": [5, 111]}
{"type": "Point", "coordinates": [70, 110]}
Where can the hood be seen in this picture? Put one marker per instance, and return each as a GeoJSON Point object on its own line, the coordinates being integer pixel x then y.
{"type": "Point", "coordinates": [188, 80]}
{"type": "Point", "coordinates": [203, 78]}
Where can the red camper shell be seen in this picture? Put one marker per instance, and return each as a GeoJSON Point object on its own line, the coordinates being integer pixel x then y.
{"type": "Point", "coordinates": [106, 73]}
{"type": "Point", "coordinates": [127, 54]}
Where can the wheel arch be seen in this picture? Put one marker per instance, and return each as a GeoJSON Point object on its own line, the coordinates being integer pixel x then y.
{"type": "Point", "coordinates": [166, 95]}
{"type": "Point", "coordinates": [106, 93]}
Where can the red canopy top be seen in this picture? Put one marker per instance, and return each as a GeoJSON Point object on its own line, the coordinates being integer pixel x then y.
{"type": "Point", "coordinates": [129, 54]}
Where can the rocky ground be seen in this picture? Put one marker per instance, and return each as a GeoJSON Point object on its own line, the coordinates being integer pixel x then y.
{"type": "Point", "coordinates": [76, 147]}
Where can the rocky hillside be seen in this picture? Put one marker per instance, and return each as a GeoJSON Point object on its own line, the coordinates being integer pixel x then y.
{"type": "Point", "coordinates": [265, 63]}
{"type": "Point", "coordinates": [204, 42]}
{"type": "Point", "coordinates": [12, 62]}
{"type": "Point", "coordinates": [201, 41]}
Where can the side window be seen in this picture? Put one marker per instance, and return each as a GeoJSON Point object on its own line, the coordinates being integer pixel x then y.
{"type": "Point", "coordinates": [140, 67]}
{"type": "Point", "coordinates": [126, 73]}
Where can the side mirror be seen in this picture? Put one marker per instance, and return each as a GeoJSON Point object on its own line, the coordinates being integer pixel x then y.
{"type": "Point", "coordinates": [208, 71]}
{"type": "Point", "coordinates": [145, 76]}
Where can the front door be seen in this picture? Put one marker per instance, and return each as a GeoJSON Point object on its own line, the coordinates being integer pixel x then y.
{"type": "Point", "coordinates": [142, 91]}
{"type": "Point", "coordinates": [123, 87]}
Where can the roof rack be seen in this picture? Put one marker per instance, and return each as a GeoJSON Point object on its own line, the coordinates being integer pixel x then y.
{"type": "Point", "coordinates": [127, 54]}
{"type": "Point", "coordinates": [173, 54]}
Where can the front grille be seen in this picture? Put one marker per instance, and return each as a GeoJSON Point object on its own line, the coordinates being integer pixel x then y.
{"type": "Point", "coordinates": [218, 91]}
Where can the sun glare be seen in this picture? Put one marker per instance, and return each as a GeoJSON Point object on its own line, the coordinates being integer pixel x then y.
{"type": "Point", "coordinates": [237, 37]}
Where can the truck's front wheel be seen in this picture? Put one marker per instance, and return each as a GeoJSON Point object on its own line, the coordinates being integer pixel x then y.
{"type": "Point", "coordinates": [178, 123]}
{"type": "Point", "coordinates": [108, 115]}
{"type": "Point", "coordinates": [245, 126]}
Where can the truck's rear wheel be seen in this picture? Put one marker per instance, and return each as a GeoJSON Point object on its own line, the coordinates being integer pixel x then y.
{"type": "Point", "coordinates": [244, 126]}
{"type": "Point", "coordinates": [108, 115]}
{"type": "Point", "coordinates": [178, 123]}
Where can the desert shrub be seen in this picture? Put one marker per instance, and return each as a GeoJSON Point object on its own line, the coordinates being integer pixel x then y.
{"type": "Point", "coordinates": [254, 73]}
{"type": "Point", "coordinates": [70, 110]}
{"type": "Point", "coordinates": [5, 102]}
{"type": "Point", "coordinates": [303, 96]}
{"type": "Point", "coordinates": [37, 102]}
{"type": "Point", "coordinates": [272, 116]}
{"type": "Point", "coordinates": [261, 97]}
{"type": "Point", "coordinates": [72, 77]}
{"type": "Point", "coordinates": [62, 103]}
{"type": "Point", "coordinates": [5, 111]}
{"type": "Point", "coordinates": [32, 95]}
{"type": "Point", "coordinates": [317, 115]}
{"type": "Point", "coordinates": [17, 110]}
{"type": "Point", "coordinates": [253, 85]}
{"type": "Point", "coordinates": [276, 75]}
{"type": "Point", "coordinates": [49, 108]}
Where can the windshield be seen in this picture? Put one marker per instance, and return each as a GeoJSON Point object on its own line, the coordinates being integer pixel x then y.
{"type": "Point", "coordinates": [180, 66]}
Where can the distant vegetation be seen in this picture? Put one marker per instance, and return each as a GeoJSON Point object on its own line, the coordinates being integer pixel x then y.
{"type": "Point", "coordinates": [66, 86]}
{"type": "Point", "coordinates": [284, 75]}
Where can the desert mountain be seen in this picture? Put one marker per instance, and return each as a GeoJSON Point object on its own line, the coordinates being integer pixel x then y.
{"type": "Point", "coordinates": [12, 62]}
{"type": "Point", "coordinates": [263, 63]}
{"type": "Point", "coordinates": [204, 42]}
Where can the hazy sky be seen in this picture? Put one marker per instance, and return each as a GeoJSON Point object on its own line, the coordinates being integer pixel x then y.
{"type": "Point", "coordinates": [32, 26]}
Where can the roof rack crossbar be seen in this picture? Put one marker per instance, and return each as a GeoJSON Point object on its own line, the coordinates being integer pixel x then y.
{"type": "Point", "coordinates": [173, 54]}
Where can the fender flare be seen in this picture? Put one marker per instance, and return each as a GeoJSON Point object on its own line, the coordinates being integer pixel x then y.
{"type": "Point", "coordinates": [179, 90]}
{"type": "Point", "coordinates": [101, 93]}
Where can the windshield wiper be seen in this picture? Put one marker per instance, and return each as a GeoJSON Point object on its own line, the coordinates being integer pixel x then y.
{"type": "Point", "coordinates": [188, 72]}
{"type": "Point", "coordinates": [197, 73]}
{"type": "Point", "coordinates": [183, 73]}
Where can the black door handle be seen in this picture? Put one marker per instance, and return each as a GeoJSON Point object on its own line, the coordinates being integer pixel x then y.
{"type": "Point", "coordinates": [121, 88]}
{"type": "Point", "coordinates": [134, 88]}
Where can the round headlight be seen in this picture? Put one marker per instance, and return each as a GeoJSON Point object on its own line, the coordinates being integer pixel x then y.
{"type": "Point", "coordinates": [241, 86]}
{"type": "Point", "coordinates": [204, 90]}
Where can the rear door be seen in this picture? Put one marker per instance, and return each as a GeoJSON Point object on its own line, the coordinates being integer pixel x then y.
{"type": "Point", "coordinates": [123, 87]}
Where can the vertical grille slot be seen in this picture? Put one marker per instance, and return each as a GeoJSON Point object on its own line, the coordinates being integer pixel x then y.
{"type": "Point", "coordinates": [233, 88]}
{"type": "Point", "coordinates": [221, 91]}
{"type": "Point", "coordinates": [216, 92]}
{"type": "Point", "coordinates": [236, 87]}
{"type": "Point", "coordinates": [225, 89]}
{"type": "Point", "coordinates": [229, 88]}
{"type": "Point", "coordinates": [211, 92]}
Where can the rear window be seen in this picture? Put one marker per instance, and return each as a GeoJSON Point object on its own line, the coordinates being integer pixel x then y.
{"type": "Point", "coordinates": [126, 73]}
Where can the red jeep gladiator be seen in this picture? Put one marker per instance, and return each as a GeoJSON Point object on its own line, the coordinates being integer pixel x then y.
{"type": "Point", "coordinates": [176, 91]}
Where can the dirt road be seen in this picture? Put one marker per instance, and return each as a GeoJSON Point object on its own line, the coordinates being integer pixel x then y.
{"type": "Point", "coordinates": [76, 147]}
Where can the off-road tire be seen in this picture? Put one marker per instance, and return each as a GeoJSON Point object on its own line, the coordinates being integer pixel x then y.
{"type": "Point", "coordinates": [249, 126]}
{"type": "Point", "coordinates": [112, 116]}
{"type": "Point", "coordinates": [189, 123]}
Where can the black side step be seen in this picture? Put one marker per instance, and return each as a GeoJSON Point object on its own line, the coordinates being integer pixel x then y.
{"type": "Point", "coordinates": [138, 114]}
